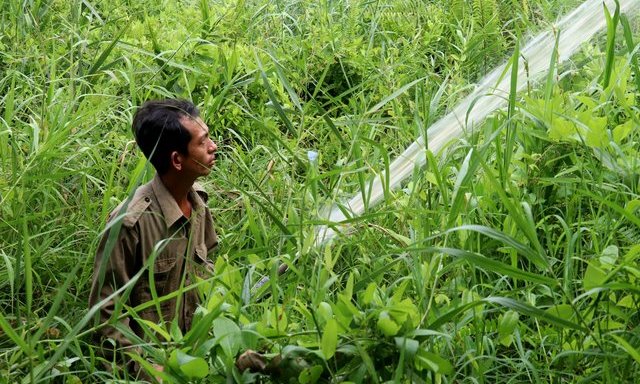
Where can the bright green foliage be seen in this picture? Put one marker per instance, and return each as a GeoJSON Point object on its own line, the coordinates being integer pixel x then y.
{"type": "Point", "coordinates": [192, 367]}
{"type": "Point", "coordinates": [512, 256]}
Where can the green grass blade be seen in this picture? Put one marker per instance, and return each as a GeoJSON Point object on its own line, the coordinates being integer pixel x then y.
{"type": "Point", "coordinates": [57, 301]}
{"type": "Point", "coordinates": [634, 353]}
{"type": "Point", "coordinates": [550, 81]}
{"type": "Point", "coordinates": [285, 83]}
{"type": "Point", "coordinates": [274, 100]}
{"type": "Point", "coordinates": [511, 108]}
{"type": "Point", "coordinates": [95, 67]}
{"type": "Point", "coordinates": [631, 48]}
{"type": "Point", "coordinates": [393, 95]}
{"type": "Point", "coordinates": [82, 323]}
{"type": "Point", "coordinates": [465, 173]}
{"type": "Point", "coordinates": [534, 312]}
{"type": "Point", "coordinates": [519, 217]}
{"type": "Point", "coordinates": [452, 314]}
{"type": "Point", "coordinates": [529, 253]}
{"type": "Point", "coordinates": [612, 25]}
{"type": "Point", "coordinates": [9, 331]}
{"type": "Point", "coordinates": [490, 265]}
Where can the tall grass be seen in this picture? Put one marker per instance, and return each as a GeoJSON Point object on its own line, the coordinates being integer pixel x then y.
{"type": "Point", "coordinates": [510, 257]}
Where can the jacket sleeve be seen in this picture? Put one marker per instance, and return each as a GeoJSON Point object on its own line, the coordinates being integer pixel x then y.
{"type": "Point", "coordinates": [119, 264]}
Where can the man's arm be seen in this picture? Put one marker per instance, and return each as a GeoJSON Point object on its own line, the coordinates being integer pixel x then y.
{"type": "Point", "coordinates": [118, 270]}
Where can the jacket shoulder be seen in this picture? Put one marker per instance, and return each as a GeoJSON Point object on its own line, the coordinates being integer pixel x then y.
{"type": "Point", "coordinates": [138, 204]}
{"type": "Point", "coordinates": [201, 192]}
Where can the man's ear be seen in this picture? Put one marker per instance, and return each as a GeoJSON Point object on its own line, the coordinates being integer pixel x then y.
{"type": "Point", "coordinates": [176, 160]}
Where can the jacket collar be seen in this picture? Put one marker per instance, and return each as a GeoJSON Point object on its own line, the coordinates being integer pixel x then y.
{"type": "Point", "coordinates": [168, 205]}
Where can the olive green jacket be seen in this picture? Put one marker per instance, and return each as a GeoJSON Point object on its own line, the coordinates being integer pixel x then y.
{"type": "Point", "coordinates": [157, 239]}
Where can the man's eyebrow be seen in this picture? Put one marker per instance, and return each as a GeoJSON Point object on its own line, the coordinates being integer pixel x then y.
{"type": "Point", "coordinates": [204, 134]}
{"type": "Point", "coordinates": [202, 125]}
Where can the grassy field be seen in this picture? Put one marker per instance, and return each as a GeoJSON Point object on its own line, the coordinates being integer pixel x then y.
{"type": "Point", "coordinates": [512, 256]}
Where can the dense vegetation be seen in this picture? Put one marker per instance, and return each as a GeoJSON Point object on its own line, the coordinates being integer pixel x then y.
{"type": "Point", "coordinates": [512, 256]}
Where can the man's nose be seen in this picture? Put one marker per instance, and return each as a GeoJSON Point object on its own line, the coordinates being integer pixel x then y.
{"type": "Point", "coordinates": [213, 147]}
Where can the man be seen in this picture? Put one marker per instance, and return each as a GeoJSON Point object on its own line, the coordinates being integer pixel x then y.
{"type": "Point", "coordinates": [166, 229]}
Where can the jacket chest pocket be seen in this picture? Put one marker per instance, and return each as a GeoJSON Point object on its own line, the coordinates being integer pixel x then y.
{"type": "Point", "coordinates": [167, 266]}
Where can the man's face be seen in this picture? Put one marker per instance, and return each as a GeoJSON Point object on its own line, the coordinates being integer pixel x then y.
{"type": "Point", "coordinates": [201, 149]}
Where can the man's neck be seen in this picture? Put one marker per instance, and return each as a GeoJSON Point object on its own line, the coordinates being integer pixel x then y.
{"type": "Point", "coordinates": [179, 189]}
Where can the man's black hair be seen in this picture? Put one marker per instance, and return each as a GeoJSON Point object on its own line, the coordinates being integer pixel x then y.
{"type": "Point", "coordinates": [159, 132]}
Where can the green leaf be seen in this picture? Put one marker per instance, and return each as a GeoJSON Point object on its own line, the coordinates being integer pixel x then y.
{"type": "Point", "coordinates": [403, 311]}
{"type": "Point", "coordinates": [387, 325]}
{"type": "Point", "coordinates": [622, 131]}
{"type": "Point", "coordinates": [176, 332]}
{"type": "Point", "coordinates": [348, 291]}
{"type": "Point", "coordinates": [609, 257]}
{"type": "Point", "coordinates": [370, 295]}
{"type": "Point", "coordinates": [563, 311]}
{"type": "Point", "coordinates": [325, 313]}
{"type": "Point", "coordinates": [191, 366]}
{"type": "Point", "coordinates": [594, 276]}
{"type": "Point", "coordinates": [429, 360]}
{"type": "Point", "coordinates": [596, 129]}
{"type": "Point", "coordinates": [151, 368]}
{"type": "Point", "coordinates": [410, 346]}
{"type": "Point", "coordinates": [156, 328]}
{"type": "Point", "coordinates": [506, 325]}
{"type": "Point", "coordinates": [310, 375]}
{"type": "Point", "coordinates": [562, 129]}
{"type": "Point", "coordinates": [626, 302]}
{"type": "Point", "coordinates": [330, 339]}
{"type": "Point", "coordinates": [228, 334]}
